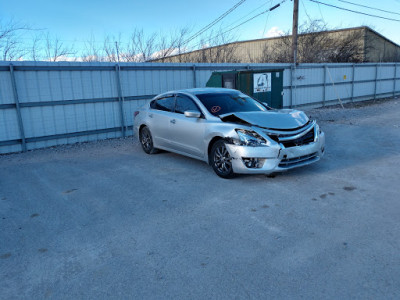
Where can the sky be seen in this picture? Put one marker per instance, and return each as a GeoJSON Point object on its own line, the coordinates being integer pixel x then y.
{"type": "Point", "coordinates": [75, 21]}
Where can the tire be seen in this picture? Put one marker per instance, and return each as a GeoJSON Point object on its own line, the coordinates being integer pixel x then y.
{"type": "Point", "coordinates": [221, 161]}
{"type": "Point", "coordinates": [146, 140]}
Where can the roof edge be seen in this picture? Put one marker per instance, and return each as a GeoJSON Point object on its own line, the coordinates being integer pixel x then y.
{"type": "Point", "coordinates": [279, 37]}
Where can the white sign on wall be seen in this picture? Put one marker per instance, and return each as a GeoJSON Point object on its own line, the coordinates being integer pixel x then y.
{"type": "Point", "coordinates": [262, 82]}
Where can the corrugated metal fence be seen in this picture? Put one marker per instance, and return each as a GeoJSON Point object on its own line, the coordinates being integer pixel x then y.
{"type": "Point", "coordinates": [45, 104]}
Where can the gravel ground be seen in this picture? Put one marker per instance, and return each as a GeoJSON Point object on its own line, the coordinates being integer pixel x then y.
{"type": "Point", "coordinates": [105, 220]}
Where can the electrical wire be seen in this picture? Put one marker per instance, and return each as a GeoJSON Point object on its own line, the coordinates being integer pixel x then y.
{"type": "Point", "coordinates": [265, 26]}
{"type": "Point", "coordinates": [205, 28]}
{"type": "Point", "coordinates": [320, 11]}
{"type": "Point", "coordinates": [375, 8]}
{"type": "Point", "coordinates": [305, 10]}
{"type": "Point", "coordinates": [354, 11]}
{"type": "Point", "coordinates": [248, 20]}
{"type": "Point", "coordinates": [248, 14]}
{"type": "Point", "coordinates": [266, 22]}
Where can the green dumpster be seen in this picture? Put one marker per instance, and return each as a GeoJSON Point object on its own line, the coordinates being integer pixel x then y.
{"type": "Point", "coordinates": [263, 85]}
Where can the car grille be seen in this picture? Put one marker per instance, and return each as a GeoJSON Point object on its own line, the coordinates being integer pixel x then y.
{"type": "Point", "coordinates": [292, 162]}
{"type": "Point", "coordinates": [303, 140]}
{"type": "Point", "coordinates": [294, 137]}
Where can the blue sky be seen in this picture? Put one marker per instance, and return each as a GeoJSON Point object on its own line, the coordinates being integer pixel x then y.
{"type": "Point", "coordinates": [75, 21]}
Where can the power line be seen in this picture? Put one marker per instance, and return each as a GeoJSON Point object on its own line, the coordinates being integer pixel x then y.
{"type": "Point", "coordinates": [305, 10]}
{"type": "Point", "coordinates": [266, 22]}
{"type": "Point", "coordinates": [257, 8]}
{"type": "Point", "coordinates": [214, 22]}
{"type": "Point", "coordinates": [320, 11]}
{"type": "Point", "coordinates": [248, 20]}
{"type": "Point", "coordinates": [357, 12]}
{"type": "Point", "coordinates": [375, 8]}
{"type": "Point", "coordinates": [265, 26]}
{"type": "Point", "coordinates": [257, 15]}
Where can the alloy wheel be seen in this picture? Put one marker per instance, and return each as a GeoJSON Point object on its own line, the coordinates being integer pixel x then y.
{"type": "Point", "coordinates": [222, 160]}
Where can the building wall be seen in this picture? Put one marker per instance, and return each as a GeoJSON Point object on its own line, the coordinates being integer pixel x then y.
{"type": "Point", "coordinates": [379, 49]}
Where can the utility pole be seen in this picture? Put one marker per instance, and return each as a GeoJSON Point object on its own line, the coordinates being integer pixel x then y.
{"type": "Point", "coordinates": [294, 30]}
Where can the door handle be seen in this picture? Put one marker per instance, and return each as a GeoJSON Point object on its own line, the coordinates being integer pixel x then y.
{"type": "Point", "coordinates": [150, 115]}
{"type": "Point", "coordinates": [173, 121]}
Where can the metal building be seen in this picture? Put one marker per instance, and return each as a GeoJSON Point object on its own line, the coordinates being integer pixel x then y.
{"type": "Point", "coordinates": [354, 45]}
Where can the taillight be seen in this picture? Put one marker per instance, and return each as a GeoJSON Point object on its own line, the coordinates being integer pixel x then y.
{"type": "Point", "coordinates": [135, 113]}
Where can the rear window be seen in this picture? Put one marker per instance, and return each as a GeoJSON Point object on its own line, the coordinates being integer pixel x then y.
{"type": "Point", "coordinates": [230, 102]}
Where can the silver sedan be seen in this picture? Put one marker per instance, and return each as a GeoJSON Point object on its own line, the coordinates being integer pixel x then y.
{"type": "Point", "coordinates": [229, 130]}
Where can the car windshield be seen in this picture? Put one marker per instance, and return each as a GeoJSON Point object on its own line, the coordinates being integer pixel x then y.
{"type": "Point", "coordinates": [229, 102]}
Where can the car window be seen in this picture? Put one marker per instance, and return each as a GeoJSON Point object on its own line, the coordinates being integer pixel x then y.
{"type": "Point", "coordinates": [166, 104]}
{"type": "Point", "coordinates": [229, 102]}
{"type": "Point", "coordinates": [184, 103]}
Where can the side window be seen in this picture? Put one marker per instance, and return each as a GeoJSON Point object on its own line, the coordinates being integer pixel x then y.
{"type": "Point", "coordinates": [166, 104]}
{"type": "Point", "coordinates": [184, 103]}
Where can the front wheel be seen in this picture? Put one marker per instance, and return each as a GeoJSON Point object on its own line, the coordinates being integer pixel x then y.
{"type": "Point", "coordinates": [146, 141]}
{"type": "Point", "coordinates": [221, 161]}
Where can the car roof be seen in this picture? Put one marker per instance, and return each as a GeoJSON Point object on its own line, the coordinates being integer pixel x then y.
{"type": "Point", "coordinates": [196, 91]}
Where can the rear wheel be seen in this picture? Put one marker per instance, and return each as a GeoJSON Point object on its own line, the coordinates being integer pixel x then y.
{"type": "Point", "coordinates": [221, 161]}
{"type": "Point", "coordinates": [146, 141]}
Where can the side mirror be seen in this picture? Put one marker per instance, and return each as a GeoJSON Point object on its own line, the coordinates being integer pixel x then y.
{"type": "Point", "coordinates": [192, 114]}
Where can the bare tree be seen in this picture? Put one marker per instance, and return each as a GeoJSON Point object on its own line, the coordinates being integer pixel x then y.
{"type": "Point", "coordinates": [11, 40]}
{"type": "Point", "coordinates": [317, 43]}
{"type": "Point", "coordinates": [110, 49]}
{"type": "Point", "coordinates": [92, 51]}
{"type": "Point", "coordinates": [55, 50]}
{"type": "Point", "coordinates": [166, 46]}
{"type": "Point", "coordinates": [180, 42]}
{"type": "Point", "coordinates": [139, 47]}
{"type": "Point", "coordinates": [348, 48]}
{"type": "Point", "coordinates": [216, 47]}
{"type": "Point", "coordinates": [145, 46]}
{"type": "Point", "coordinates": [36, 48]}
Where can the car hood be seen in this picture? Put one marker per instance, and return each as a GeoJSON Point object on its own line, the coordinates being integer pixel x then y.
{"type": "Point", "coordinates": [273, 119]}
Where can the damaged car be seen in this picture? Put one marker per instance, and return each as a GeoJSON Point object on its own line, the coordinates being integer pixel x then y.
{"type": "Point", "coordinates": [229, 130]}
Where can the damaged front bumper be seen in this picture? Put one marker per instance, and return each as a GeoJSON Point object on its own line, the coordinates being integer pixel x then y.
{"type": "Point", "coordinates": [274, 158]}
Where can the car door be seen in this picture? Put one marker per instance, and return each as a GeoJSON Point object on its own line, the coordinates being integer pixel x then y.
{"type": "Point", "coordinates": [187, 133]}
{"type": "Point", "coordinates": [160, 116]}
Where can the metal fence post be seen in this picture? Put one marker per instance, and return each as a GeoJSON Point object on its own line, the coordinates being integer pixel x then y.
{"type": "Point", "coordinates": [19, 115]}
{"type": "Point", "coordinates": [395, 79]}
{"type": "Point", "coordinates": [324, 96]}
{"type": "Point", "coordinates": [376, 80]}
{"type": "Point", "coordinates": [194, 77]}
{"type": "Point", "coordinates": [352, 82]}
{"type": "Point", "coordinates": [291, 85]}
{"type": "Point", "coordinates": [120, 100]}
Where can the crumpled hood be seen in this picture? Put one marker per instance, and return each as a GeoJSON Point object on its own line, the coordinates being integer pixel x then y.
{"type": "Point", "coordinates": [272, 119]}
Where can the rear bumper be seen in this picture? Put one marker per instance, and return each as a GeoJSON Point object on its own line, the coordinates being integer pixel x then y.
{"type": "Point", "coordinates": [276, 158]}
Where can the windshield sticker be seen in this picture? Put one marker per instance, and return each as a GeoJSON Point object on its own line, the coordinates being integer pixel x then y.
{"type": "Point", "coordinates": [215, 109]}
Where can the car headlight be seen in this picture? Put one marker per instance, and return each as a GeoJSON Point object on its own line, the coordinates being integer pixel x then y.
{"type": "Point", "coordinates": [250, 138]}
